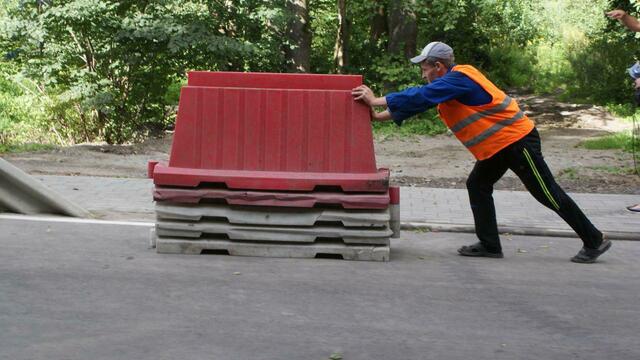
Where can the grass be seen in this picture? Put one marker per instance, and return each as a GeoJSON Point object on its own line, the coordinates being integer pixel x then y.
{"type": "Point", "coordinates": [614, 170]}
{"type": "Point", "coordinates": [622, 140]}
{"type": "Point", "coordinates": [625, 112]}
{"type": "Point", "coordinates": [569, 173]}
{"type": "Point", "coordinates": [26, 147]}
{"type": "Point", "coordinates": [573, 173]}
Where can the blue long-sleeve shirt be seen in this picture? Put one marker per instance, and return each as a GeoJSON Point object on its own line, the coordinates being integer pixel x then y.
{"type": "Point", "coordinates": [453, 85]}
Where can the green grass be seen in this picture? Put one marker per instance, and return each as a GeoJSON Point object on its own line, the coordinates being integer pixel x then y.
{"type": "Point", "coordinates": [573, 173]}
{"type": "Point", "coordinates": [27, 147]}
{"type": "Point", "coordinates": [569, 173]}
{"type": "Point", "coordinates": [614, 170]}
{"type": "Point", "coordinates": [625, 112]}
{"type": "Point", "coordinates": [622, 140]}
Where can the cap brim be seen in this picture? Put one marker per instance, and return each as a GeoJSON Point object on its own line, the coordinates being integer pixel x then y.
{"type": "Point", "coordinates": [418, 59]}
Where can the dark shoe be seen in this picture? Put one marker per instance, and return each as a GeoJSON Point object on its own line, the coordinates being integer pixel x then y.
{"type": "Point", "coordinates": [478, 250]}
{"type": "Point", "coordinates": [588, 256]}
{"type": "Point", "coordinates": [635, 208]}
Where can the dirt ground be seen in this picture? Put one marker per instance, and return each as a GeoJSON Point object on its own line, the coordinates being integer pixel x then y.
{"type": "Point", "coordinates": [439, 161]}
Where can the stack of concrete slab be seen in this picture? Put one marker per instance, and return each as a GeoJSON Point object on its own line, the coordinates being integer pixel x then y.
{"type": "Point", "coordinates": [275, 165]}
{"type": "Point", "coordinates": [195, 221]}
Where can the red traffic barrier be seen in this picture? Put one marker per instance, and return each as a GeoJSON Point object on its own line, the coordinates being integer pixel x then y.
{"type": "Point", "coordinates": [272, 132]}
{"type": "Point", "coordinates": [225, 79]}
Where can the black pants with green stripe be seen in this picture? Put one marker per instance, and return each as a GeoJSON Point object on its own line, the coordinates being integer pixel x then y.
{"type": "Point", "coordinates": [524, 157]}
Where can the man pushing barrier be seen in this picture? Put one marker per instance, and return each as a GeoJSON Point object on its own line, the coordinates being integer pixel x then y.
{"type": "Point", "coordinates": [498, 134]}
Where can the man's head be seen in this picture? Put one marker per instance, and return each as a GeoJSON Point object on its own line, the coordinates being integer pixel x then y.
{"type": "Point", "coordinates": [435, 60]}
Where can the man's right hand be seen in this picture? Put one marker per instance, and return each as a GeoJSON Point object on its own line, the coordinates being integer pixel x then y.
{"type": "Point", "coordinates": [363, 93]}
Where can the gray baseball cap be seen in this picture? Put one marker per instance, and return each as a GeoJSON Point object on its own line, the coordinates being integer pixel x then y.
{"type": "Point", "coordinates": [434, 49]}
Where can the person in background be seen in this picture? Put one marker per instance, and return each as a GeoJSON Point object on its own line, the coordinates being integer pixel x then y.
{"type": "Point", "coordinates": [498, 134]}
{"type": "Point", "coordinates": [634, 25]}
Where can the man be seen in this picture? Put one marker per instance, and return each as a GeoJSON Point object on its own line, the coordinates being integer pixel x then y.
{"type": "Point", "coordinates": [494, 129]}
{"type": "Point", "coordinates": [634, 25]}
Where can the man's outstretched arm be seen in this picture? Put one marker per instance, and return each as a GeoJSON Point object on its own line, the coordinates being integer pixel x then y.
{"type": "Point", "coordinates": [627, 20]}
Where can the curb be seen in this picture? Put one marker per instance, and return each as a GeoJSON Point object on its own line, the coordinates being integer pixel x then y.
{"type": "Point", "coordinates": [533, 231]}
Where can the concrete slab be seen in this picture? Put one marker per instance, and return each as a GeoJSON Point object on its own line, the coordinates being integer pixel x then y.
{"type": "Point", "coordinates": [252, 215]}
{"type": "Point", "coordinates": [23, 194]}
{"type": "Point", "coordinates": [278, 250]}
{"type": "Point", "coordinates": [272, 233]}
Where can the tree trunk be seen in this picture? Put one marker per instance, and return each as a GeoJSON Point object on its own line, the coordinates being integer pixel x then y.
{"type": "Point", "coordinates": [403, 28]}
{"type": "Point", "coordinates": [378, 23]}
{"type": "Point", "coordinates": [340, 52]}
{"type": "Point", "coordinates": [299, 35]}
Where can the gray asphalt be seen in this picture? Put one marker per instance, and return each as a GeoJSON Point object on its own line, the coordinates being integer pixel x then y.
{"type": "Point", "coordinates": [87, 291]}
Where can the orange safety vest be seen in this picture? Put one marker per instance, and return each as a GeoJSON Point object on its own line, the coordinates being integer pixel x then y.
{"type": "Point", "coordinates": [485, 129]}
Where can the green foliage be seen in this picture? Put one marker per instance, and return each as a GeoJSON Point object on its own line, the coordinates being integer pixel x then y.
{"type": "Point", "coordinates": [516, 67]}
{"type": "Point", "coordinates": [599, 70]}
{"type": "Point", "coordinates": [625, 111]}
{"type": "Point", "coordinates": [81, 70]}
{"type": "Point", "coordinates": [107, 66]}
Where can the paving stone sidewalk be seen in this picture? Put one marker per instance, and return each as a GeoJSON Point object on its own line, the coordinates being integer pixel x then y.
{"type": "Point", "coordinates": [432, 208]}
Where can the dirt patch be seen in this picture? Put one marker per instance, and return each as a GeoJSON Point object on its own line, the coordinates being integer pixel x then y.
{"type": "Point", "coordinates": [438, 161]}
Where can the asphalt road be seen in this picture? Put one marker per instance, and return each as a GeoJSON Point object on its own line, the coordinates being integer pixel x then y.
{"type": "Point", "coordinates": [90, 291]}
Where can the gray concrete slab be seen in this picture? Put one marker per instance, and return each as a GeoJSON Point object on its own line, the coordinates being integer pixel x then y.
{"type": "Point", "coordinates": [272, 233]}
{"type": "Point", "coordinates": [88, 291]}
{"type": "Point", "coordinates": [23, 194]}
{"type": "Point", "coordinates": [360, 252]}
{"type": "Point", "coordinates": [269, 215]}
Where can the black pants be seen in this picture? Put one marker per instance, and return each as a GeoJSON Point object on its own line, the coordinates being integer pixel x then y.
{"type": "Point", "coordinates": [524, 157]}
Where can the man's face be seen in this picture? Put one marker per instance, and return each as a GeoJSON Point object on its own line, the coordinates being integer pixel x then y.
{"type": "Point", "coordinates": [430, 72]}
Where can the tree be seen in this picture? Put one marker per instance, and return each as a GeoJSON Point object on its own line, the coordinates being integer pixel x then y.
{"type": "Point", "coordinates": [403, 28]}
{"type": "Point", "coordinates": [340, 53]}
{"type": "Point", "coordinates": [299, 48]}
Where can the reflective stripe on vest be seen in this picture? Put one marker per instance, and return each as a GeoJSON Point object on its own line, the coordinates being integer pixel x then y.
{"type": "Point", "coordinates": [479, 115]}
{"type": "Point", "coordinates": [492, 130]}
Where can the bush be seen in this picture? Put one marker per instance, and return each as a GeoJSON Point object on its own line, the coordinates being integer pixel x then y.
{"type": "Point", "coordinates": [599, 70]}
{"type": "Point", "coordinates": [511, 66]}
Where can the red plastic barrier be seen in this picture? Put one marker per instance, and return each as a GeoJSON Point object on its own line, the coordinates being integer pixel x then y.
{"type": "Point", "coordinates": [273, 81]}
{"type": "Point", "coordinates": [150, 166]}
{"type": "Point", "coordinates": [272, 138]}
{"type": "Point", "coordinates": [394, 195]}
{"type": "Point", "coordinates": [255, 198]}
